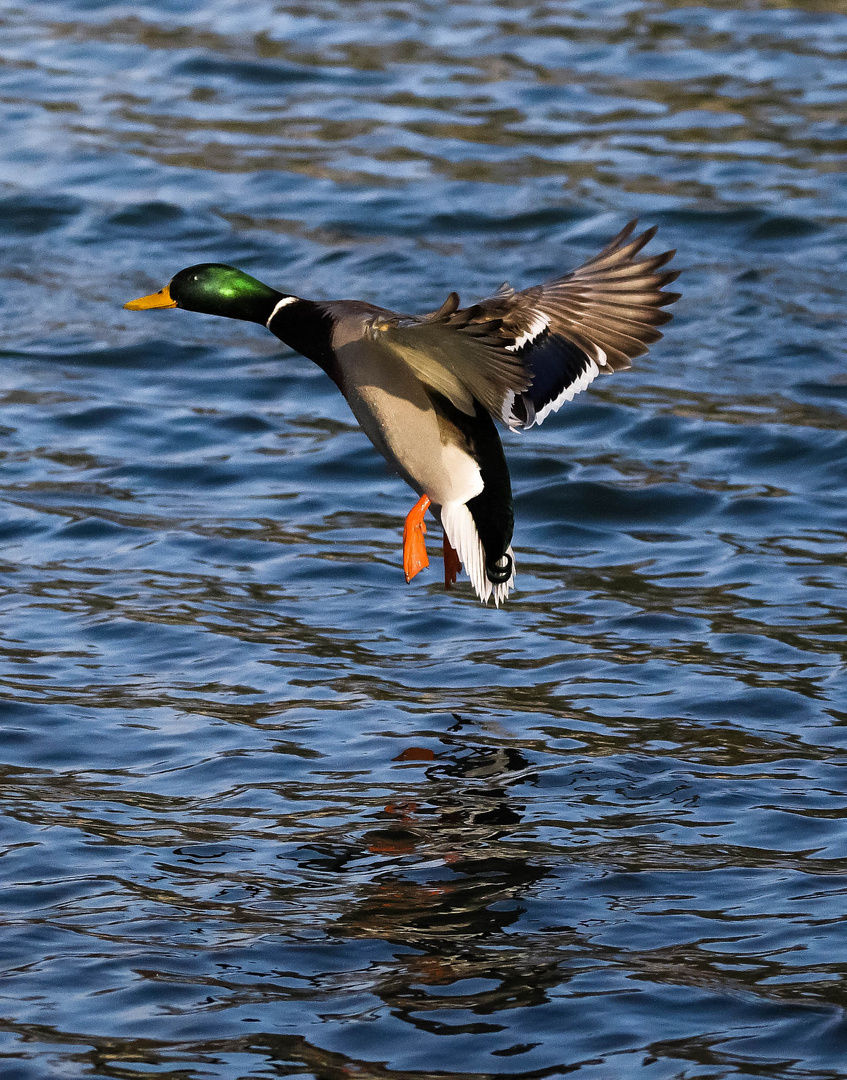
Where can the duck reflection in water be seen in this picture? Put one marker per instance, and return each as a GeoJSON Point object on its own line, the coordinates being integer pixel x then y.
{"type": "Point", "coordinates": [444, 885]}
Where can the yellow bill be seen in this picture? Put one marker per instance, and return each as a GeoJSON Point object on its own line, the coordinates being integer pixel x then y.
{"type": "Point", "coordinates": [160, 299]}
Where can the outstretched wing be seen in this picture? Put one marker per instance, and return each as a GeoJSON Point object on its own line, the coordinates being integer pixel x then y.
{"type": "Point", "coordinates": [523, 354]}
{"type": "Point", "coordinates": [597, 318]}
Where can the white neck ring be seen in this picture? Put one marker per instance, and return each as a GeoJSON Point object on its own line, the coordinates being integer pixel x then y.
{"type": "Point", "coordinates": [284, 302]}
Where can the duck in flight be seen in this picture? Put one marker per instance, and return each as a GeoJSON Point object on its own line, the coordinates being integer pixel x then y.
{"type": "Point", "coordinates": [427, 389]}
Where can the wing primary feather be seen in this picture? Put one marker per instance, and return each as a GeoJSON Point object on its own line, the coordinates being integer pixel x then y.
{"type": "Point", "coordinates": [522, 354]}
{"type": "Point", "coordinates": [597, 318]}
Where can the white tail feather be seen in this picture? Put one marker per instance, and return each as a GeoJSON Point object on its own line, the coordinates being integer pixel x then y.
{"type": "Point", "coordinates": [458, 524]}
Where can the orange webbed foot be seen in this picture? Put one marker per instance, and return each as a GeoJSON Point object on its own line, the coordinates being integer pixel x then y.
{"type": "Point", "coordinates": [415, 557]}
{"type": "Point", "coordinates": [452, 564]}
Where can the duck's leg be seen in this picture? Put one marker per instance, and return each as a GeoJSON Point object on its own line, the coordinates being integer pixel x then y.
{"type": "Point", "coordinates": [415, 557]}
{"type": "Point", "coordinates": [452, 564]}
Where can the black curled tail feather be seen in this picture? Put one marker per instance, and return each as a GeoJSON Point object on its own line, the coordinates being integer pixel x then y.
{"type": "Point", "coordinates": [501, 570]}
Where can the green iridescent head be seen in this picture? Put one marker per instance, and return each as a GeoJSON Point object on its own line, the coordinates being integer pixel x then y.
{"type": "Point", "coordinates": [214, 289]}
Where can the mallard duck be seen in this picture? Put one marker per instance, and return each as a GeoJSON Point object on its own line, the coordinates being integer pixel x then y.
{"type": "Point", "coordinates": [427, 389]}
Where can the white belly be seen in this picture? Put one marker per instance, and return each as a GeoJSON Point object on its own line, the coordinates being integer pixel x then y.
{"type": "Point", "coordinates": [396, 413]}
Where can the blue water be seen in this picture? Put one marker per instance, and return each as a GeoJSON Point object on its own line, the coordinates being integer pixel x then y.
{"type": "Point", "coordinates": [268, 811]}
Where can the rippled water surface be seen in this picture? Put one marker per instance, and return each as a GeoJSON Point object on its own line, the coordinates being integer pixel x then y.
{"type": "Point", "coordinates": [268, 810]}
